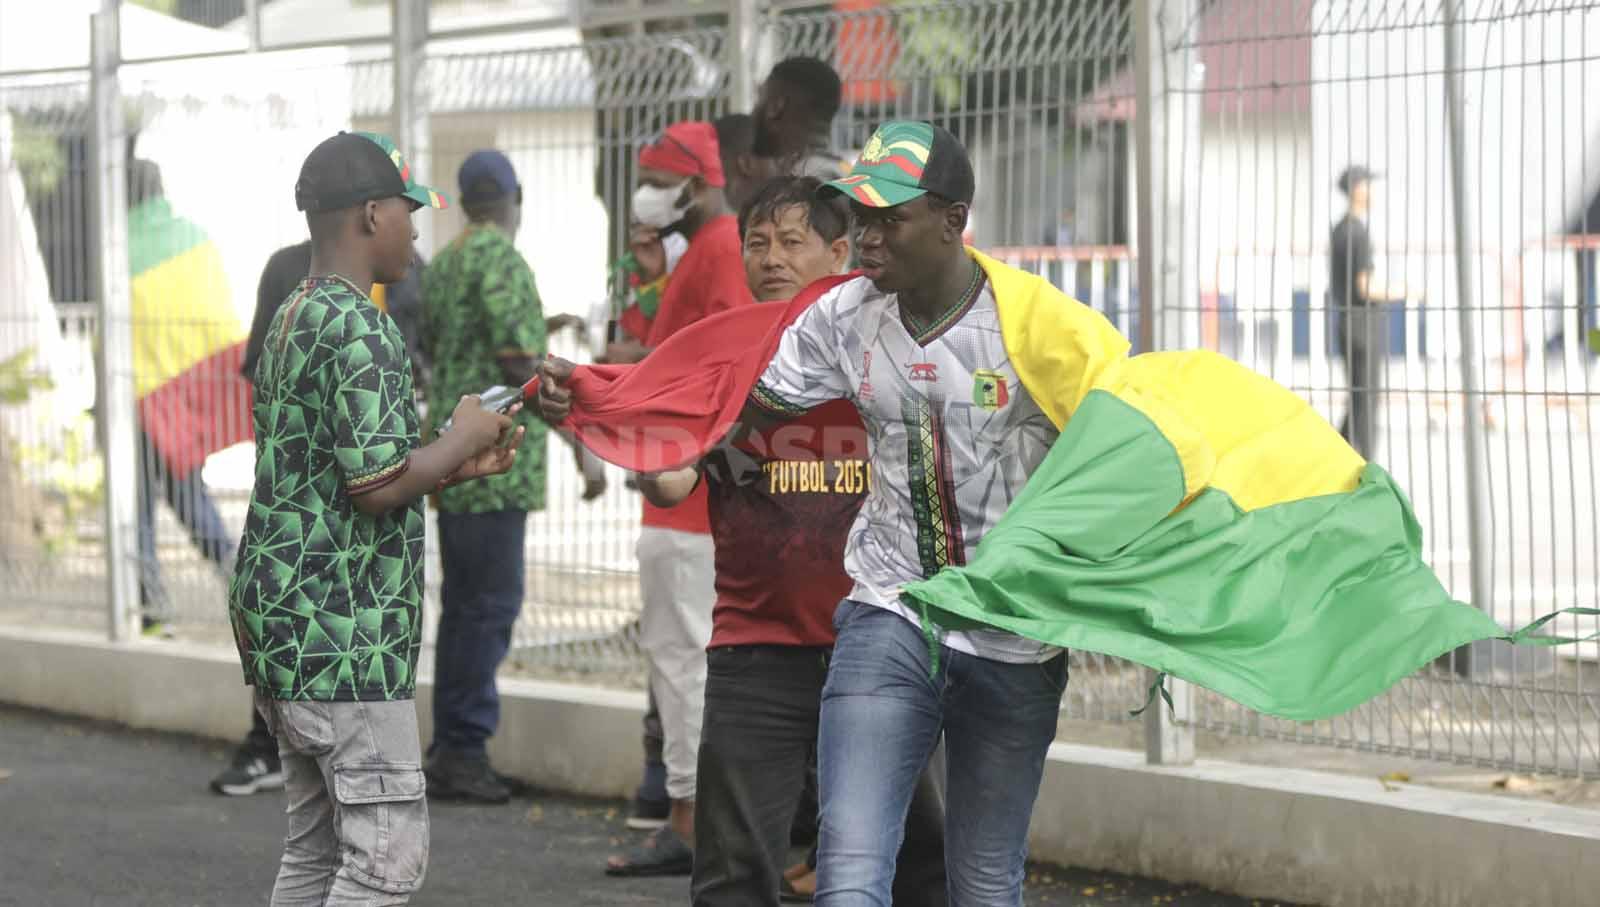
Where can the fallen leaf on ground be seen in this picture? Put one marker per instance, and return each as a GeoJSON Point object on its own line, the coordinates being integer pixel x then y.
{"type": "Point", "coordinates": [1522, 784]}
{"type": "Point", "coordinates": [1390, 779]}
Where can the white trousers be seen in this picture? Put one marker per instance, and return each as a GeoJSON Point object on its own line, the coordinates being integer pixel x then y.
{"type": "Point", "coordinates": [677, 585]}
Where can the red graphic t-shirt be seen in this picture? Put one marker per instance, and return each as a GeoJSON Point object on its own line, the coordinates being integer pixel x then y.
{"type": "Point", "coordinates": [781, 507]}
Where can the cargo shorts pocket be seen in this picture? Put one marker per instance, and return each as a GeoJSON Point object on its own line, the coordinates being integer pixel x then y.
{"type": "Point", "coordinates": [383, 823]}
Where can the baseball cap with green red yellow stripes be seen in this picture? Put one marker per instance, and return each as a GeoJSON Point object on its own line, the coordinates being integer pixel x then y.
{"type": "Point", "coordinates": [904, 160]}
{"type": "Point", "coordinates": [355, 167]}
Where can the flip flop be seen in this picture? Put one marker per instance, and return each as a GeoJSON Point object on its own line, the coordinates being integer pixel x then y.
{"type": "Point", "coordinates": [661, 853]}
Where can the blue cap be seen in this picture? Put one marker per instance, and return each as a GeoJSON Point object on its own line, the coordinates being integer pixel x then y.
{"type": "Point", "coordinates": [486, 176]}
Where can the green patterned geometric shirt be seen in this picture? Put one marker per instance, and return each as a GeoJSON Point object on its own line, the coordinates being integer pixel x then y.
{"type": "Point", "coordinates": [326, 601]}
{"type": "Point", "coordinates": [479, 302]}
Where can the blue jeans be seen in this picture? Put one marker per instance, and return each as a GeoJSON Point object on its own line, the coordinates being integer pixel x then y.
{"type": "Point", "coordinates": [882, 713]}
{"type": "Point", "coordinates": [480, 598]}
{"type": "Point", "coordinates": [192, 503]}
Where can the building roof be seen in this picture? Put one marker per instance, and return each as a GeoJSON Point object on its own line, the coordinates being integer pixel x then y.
{"type": "Point", "coordinates": [55, 34]}
{"type": "Point", "coordinates": [286, 22]}
{"type": "Point", "coordinates": [1257, 60]}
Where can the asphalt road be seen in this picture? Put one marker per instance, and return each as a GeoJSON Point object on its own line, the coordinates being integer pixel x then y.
{"type": "Point", "coordinates": [92, 815]}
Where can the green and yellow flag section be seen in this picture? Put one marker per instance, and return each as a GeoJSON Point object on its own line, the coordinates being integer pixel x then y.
{"type": "Point", "coordinates": [188, 342]}
{"type": "Point", "coordinates": [1198, 518]}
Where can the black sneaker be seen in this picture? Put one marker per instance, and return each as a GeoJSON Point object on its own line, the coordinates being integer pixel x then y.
{"type": "Point", "coordinates": [251, 772]}
{"type": "Point", "coordinates": [649, 815]}
{"type": "Point", "coordinates": [453, 776]}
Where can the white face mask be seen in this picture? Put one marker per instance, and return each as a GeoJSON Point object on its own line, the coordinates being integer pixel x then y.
{"type": "Point", "coordinates": [659, 208]}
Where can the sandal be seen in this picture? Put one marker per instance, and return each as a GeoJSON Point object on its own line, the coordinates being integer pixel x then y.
{"type": "Point", "coordinates": [661, 853]}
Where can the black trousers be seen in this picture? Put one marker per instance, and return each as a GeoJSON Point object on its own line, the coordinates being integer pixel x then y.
{"type": "Point", "coordinates": [1366, 350]}
{"type": "Point", "coordinates": [758, 742]}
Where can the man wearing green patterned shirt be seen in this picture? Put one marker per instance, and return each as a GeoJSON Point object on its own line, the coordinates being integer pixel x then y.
{"type": "Point", "coordinates": [482, 326]}
{"type": "Point", "coordinates": [326, 598]}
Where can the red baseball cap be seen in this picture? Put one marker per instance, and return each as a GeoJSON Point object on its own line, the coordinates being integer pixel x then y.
{"type": "Point", "coordinates": [687, 149]}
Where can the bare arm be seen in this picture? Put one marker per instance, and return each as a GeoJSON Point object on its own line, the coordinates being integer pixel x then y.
{"type": "Point", "coordinates": [1387, 292]}
{"type": "Point", "coordinates": [624, 352]}
{"type": "Point", "coordinates": [591, 467]}
{"type": "Point", "coordinates": [670, 488]}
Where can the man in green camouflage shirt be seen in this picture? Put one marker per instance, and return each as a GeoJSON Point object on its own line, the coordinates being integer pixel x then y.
{"type": "Point", "coordinates": [483, 326]}
{"type": "Point", "coordinates": [326, 598]}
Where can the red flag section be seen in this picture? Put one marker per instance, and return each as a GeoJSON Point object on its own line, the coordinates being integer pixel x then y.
{"type": "Point", "coordinates": [203, 410]}
{"type": "Point", "coordinates": [668, 410]}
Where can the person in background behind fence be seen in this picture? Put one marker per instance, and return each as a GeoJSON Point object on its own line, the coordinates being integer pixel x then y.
{"type": "Point", "coordinates": [483, 326]}
{"type": "Point", "coordinates": [255, 765]}
{"type": "Point", "coordinates": [190, 400]}
{"type": "Point", "coordinates": [326, 598]}
{"type": "Point", "coordinates": [1358, 304]}
{"type": "Point", "coordinates": [680, 191]}
{"type": "Point", "coordinates": [648, 266]}
{"type": "Point", "coordinates": [745, 171]}
{"type": "Point", "coordinates": [794, 113]}
{"type": "Point", "coordinates": [402, 302]}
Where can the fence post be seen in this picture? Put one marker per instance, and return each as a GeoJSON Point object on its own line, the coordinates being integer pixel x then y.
{"type": "Point", "coordinates": [115, 365]}
{"type": "Point", "coordinates": [413, 130]}
{"type": "Point", "coordinates": [743, 32]}
{"type": "Point", "coordinates": [252, 18]}
{"type": "Point", "coordinates": [1455, 113]}
{"type": "Point", "coordinates": [1168, 231]}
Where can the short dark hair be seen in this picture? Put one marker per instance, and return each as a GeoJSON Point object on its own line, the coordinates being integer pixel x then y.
{"type": "Point", "coordinates": [812, 81]}
{"type": "Point", "coordinates": [736, 135]}
{"type": "Point", "coordinates": [829, 215]}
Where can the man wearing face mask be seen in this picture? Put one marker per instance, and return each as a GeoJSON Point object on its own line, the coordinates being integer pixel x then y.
{"type": "Point", "coordinates": [680, 190]}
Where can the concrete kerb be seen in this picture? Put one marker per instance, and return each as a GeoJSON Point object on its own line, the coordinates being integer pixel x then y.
{"type": "Point", "coordinates": [1311, 837]}
{"type": "Point", "coordinates": [1258, 831]}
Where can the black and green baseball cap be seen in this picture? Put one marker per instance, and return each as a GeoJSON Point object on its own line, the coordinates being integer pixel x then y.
{"type": "Point", "coordinates": [906, 159]}
{"type": "Point", "coordinates": [356, 167]}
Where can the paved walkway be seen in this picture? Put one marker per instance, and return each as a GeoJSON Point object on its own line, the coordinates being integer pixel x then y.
{"type": "Point", "coordinates": [93, 815]}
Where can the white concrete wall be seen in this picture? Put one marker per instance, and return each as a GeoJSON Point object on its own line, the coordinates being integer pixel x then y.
{"type": "Point", "coordinates": [1256, 228]}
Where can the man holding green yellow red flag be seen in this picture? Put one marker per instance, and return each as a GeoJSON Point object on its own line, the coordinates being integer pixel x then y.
{"type": "Point", "coordinates": [191, 400]}
{"type": "Point", "coordinates": [1033, 488]}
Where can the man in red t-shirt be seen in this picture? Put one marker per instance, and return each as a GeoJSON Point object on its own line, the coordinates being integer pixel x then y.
{"type": "Point", "coordinates": [680, 190]}
{"type": "Point", "coordinates": [781, 506]}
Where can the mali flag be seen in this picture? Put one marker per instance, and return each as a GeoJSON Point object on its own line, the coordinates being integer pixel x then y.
{"type": "Point", "coordinates": [188, 343]}
{"type": "Point", "coordinates": [1194, 516]}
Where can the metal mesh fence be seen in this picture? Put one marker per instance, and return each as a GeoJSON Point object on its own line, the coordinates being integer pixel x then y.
{"type": "Point", "coordinates": [50, 561]}
{"type": "Point", "coordinates": [1294, 94]}
{"type": "Point", "coordinates": [572, 118]}
{"type": "Point", "coordinates": [1283, 97]}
